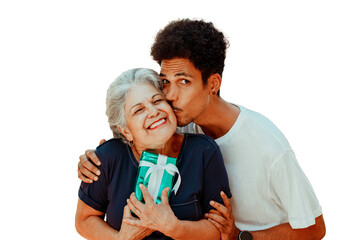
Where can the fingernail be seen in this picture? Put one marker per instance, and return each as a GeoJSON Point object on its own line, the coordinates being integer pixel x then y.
{"type": "Point", "coordinates": [98, 163]}
{"type": "Point", "coordinates": [98, 172]}
{"type": "Point", "coordinates": [141, 185]}
{"type": "Point", "coordinates": [90, 181]}
{"type": "Point", "coordinates": [211, 202]}
{"type": "Point", "coordinates": [96, 178]}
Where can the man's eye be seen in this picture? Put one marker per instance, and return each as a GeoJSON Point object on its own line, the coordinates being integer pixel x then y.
{"type": "Point", "coordinates": [184, 81]}
{"type": "Point", "coordinates": [165, 81]}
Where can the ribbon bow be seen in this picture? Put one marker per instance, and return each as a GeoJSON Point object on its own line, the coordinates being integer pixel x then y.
{"type": "Point", "coordinates": [156, 172]}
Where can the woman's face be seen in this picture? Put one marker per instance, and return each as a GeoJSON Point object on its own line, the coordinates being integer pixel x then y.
{"type": "Point", "coordinates": [150, 120]}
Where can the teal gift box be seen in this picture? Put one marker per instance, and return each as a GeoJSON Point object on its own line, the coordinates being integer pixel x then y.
{"type": "Point", "coordinates": [156, 172]}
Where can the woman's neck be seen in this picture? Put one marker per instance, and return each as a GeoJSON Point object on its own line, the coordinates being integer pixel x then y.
{"type": "Point", "coordinates": [171, 148]}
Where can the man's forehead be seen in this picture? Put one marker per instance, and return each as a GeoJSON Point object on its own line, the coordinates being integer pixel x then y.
{"type": "Point", "coordinates": [177, 67]}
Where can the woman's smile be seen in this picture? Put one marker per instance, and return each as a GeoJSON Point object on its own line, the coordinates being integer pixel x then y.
{"type": "Point", "coordinates": [157, 124]}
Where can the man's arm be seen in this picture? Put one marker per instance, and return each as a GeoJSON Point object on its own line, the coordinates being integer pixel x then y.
{"type": "Point", "coordinates": [284, 231]}
{"type": "Point", "coordinates": [223, 219]}
{"type": "Point", "coordinates": [87, 171]}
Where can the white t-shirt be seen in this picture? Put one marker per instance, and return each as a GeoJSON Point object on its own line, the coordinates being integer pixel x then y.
{"type": "Point", "coordinates": [268, 186]}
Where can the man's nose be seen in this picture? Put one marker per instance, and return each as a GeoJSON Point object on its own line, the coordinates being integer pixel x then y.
{"type": "Point", "coordinates": [171, 93]}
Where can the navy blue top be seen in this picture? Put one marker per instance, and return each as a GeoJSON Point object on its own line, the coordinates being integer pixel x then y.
{"type": "Point", "coordinates": [202, 171]}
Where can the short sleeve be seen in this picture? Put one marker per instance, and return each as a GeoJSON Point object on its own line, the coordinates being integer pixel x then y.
{"type": "Point", "coordinates": [95, 194]}
{"type": "Point", "coordinates": [215, 180]}
{"type": "Point", "coordinates": [291, 189]}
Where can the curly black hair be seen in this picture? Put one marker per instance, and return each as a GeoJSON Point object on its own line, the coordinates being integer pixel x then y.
{"type": "Point", "coordinates": [196, 40]}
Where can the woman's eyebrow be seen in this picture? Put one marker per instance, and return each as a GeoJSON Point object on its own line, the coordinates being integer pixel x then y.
{"type": "Point", "coordinates": [135, 106]}
{"type": "Point", "coordinates": [156, 94]}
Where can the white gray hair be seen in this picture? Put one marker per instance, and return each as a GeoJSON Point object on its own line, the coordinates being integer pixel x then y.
{"type": "Point", "coordinates": [117, 94]}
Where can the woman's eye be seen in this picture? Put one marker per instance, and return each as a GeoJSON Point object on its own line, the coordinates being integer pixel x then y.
{"type": "Point", "coordinates": [158, 101]}
{"type": "Point", "coordinates": [165, 81]}
{"type": "Point", "coordinates": [139, 110]}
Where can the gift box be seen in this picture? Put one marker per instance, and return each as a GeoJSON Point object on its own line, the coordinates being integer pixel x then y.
{"type": "Point", "coordinates": [156, 172]}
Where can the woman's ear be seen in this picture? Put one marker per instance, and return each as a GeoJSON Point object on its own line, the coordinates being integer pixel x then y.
{"type": "Point", "coordinates": [214, 83]}
{"type": "Point", "coordinates": [126, 132]}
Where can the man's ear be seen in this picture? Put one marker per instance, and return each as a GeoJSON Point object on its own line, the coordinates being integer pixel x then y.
{"type": "Point", "coordinates": [126, 132]}
{"type": "Point", "coordinates": [214, 83]}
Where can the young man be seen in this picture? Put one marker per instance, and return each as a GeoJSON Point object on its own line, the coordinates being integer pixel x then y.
{"type": "Point", "coordinates": [272, 198]}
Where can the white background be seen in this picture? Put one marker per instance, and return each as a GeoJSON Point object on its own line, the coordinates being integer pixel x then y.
{"type": "Point", "coordinates": [297, 62]}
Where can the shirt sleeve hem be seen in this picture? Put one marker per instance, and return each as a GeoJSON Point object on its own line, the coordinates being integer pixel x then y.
{"type": "Point", "coordinates": [299, 224]}
{"type": "Point", "coordinates": [90, 202]}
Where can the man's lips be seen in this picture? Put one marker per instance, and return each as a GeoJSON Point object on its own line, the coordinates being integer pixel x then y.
{"type": "Point", "coordinates": [176, 109]}
{"type": "Point", "coordinates": [157, 123]}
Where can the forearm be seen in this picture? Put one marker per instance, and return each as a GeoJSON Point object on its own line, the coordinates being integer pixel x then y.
{"type": "Point", "coordinates": [94, 227]}
{"type": "Point", "coordinates": [201, 229]}
{"type": "Point", "coordinates": [285, 232]}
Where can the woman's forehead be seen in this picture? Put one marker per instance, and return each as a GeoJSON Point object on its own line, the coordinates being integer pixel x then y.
{"type": "Point", "coordinates": [142, 92]}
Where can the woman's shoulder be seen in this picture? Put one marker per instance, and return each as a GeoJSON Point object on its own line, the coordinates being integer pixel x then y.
{"type": "Point", "coordinates": [201, 141]}
{"type": "Point", "coordinates": [111, 150]}
{"type": "Point", "coordinates": [200, 146]}
{"type": "Point", "coordinates": [202, 138]}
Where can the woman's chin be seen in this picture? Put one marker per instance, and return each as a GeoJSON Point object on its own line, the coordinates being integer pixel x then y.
{"type": "Point", "coordinates": [161, 138]}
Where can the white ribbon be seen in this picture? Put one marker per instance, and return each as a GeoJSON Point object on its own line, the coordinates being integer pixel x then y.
{"type": "Point", "coordinates": [157, 171]}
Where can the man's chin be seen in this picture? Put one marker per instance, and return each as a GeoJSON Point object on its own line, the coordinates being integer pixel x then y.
{"type": "Point", "coordinates": [183, 123]}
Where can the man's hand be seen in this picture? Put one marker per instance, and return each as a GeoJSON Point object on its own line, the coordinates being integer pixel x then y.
{"type": "Point", "coordinates": [223, 218]}
{"type": "Point", "coordinates": [87, 172]}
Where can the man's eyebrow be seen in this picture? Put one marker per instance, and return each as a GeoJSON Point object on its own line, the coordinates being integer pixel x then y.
{"type": "Point", "coordinates": [183, 74]}
{"type": "Point", "coordinates": [178, 74]}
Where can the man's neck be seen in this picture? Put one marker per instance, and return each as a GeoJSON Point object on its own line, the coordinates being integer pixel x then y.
{"type": "Point", "coordinates": [218, 118]}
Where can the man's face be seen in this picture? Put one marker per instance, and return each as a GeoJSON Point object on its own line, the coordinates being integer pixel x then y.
{"type": "Point", "coordinates": [184, 89]}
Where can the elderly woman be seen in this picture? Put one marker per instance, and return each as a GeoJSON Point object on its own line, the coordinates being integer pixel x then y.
{"type": "Point", "coordinates": [141, 119]}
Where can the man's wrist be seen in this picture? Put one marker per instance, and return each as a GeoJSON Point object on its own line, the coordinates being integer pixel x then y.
{"type": "Point", "coordinates": [236, 234]}
{"type": "Point", "coordinates": [245, 235]}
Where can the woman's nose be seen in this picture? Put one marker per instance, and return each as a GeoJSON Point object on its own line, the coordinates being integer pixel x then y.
{"type": "Point", "coordinates": [153, 111]}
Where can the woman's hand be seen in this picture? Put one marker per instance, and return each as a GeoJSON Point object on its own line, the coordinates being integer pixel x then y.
{"type": "Point", "coordinates": [128, 231]}
{"type": "Point", "coordinates": [159, 217]}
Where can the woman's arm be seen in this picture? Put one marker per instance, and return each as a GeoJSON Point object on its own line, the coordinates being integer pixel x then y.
{"type": "Point", "coordinates": [90, 224]}
{"type": "Point", "coordinates": [160, 217]}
